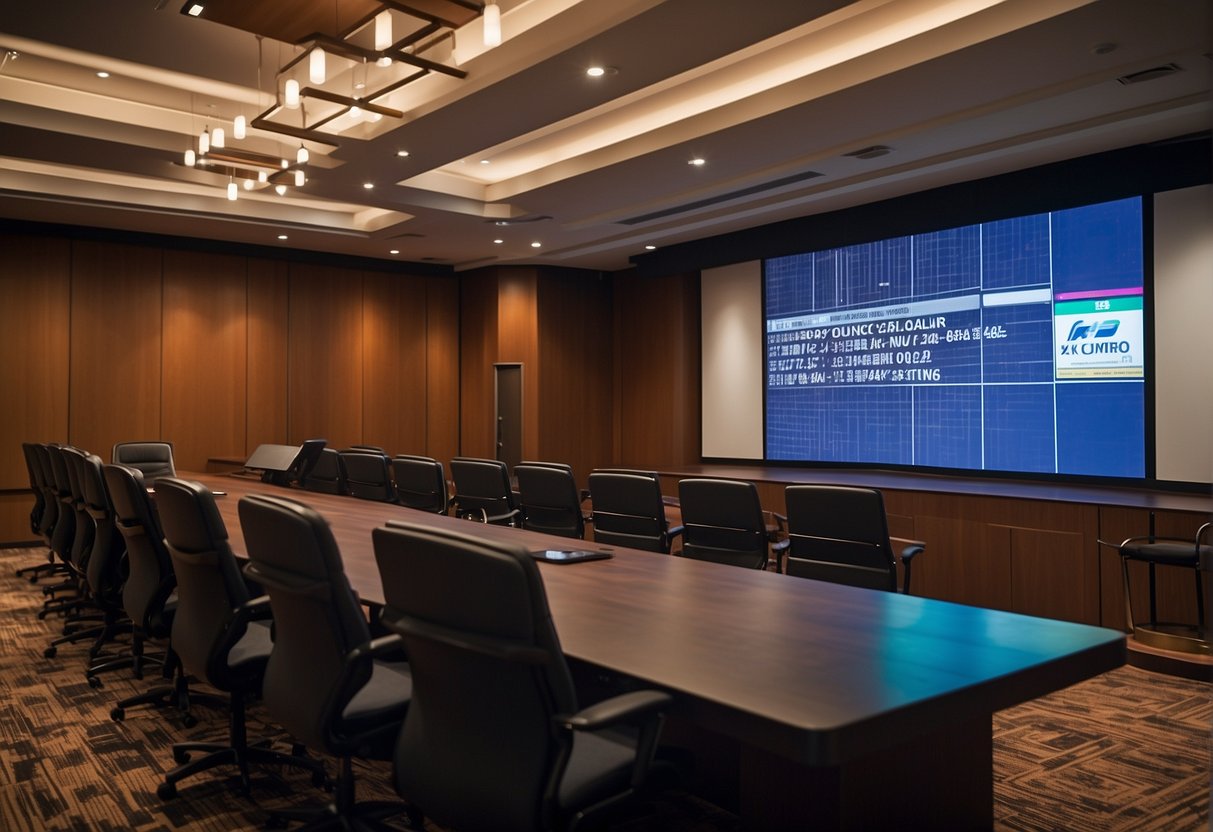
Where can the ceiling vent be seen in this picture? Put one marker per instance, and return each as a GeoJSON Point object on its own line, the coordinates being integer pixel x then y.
{"type": "Point", "coordinates": [873, 152]}
{"type": "Point", "coordinates": [519, 220]}
{"type": "Point", "coordinates": [1149, 74]}
{"type": "Point", "coordinates": [725, 197]}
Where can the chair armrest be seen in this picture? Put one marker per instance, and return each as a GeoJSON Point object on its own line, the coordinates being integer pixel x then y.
{"type": "Point", "coordinates": [255, 609]}
{"type": "Point", "coordinates": [673, 532]}
{"type": "Point", "coordinates": [374, 648]}
{"type": "Point", "coordinates": [909, 548]}
{"type": "Point", "coordinates": [632, 707]}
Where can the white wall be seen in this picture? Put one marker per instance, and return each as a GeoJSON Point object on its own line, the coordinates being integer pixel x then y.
{"type": "Point", "coordinates": [732, 342]}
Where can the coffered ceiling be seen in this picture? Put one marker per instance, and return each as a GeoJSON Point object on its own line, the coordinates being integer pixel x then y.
{"type": "Point", "coordinates": [468, 155]}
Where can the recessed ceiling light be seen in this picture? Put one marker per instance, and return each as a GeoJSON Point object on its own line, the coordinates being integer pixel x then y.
{"type": "Point", "coordinates": [394, 251]}
{"type": "Point", "coordinates": [283, 237]}
{"type": "Point", "coordinates": [195, 10]}
{"type": "Point", "coordinates": [103, 74]}
{"type": "Point", "coordinates": [402, 153]}
{"type": "Point", "coordinates": [536, 244]}
{"type": "Point", "coordinates": [596, 71]}
{"type": "Point", "coordinates": [498, 242]}
{"type": "Point", "coordinates": [484, 161]}
{"type": "Point", "coordinates": [697, 162]}
{"type": "Point", "coordinates": [650, 248]}
{"type": "Point", "coordinates": [368, 185]}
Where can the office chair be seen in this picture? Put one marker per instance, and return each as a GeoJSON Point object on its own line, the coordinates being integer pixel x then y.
{"type": "Point", "coordinates": [37, 514]}
{"type": "Point", "coordinates": [325, 683]}
{"type": "Point", "coordinates": [219, 634]}
{"type": "Point", "coordinates": [548, 499]}
{"type": "Point", "coordinates": [62, 594]}
{"type": "Point", "coordinates": [483, 492]}
{"type": "Point", "coordinates": [629, 510]}
{"type": "Point", "coordinates": [40, 454]}
{"type": "Point", "coordinates": [420, 483]}
{"type": "Point", "coordinates": [154, 459]}
{"type": "Point", "coordinates": [368, 475]}
{"type": "Point", "coordinates": [327, 476]}
{"type": "Point", "coordinates": [723, 523]}
{"type": "Point", "coordinates": [494, 738]}
{"type": "Point", "coordinates": [841, 534]}
{"type": "Point", "coordinates": [309, 454]}
{"type": "Point", "coordinates": [1168, 551]}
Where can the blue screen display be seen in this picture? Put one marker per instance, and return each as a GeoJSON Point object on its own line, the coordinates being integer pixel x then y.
{"type": "Point", "coordinates": [1016, 345]}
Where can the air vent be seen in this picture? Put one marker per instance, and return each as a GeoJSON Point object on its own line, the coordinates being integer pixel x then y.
{"type": "Point", "coordinates": [1149, 74]}
{"type": "Point", "coordinates": [873, 152]}
{"type": "Point", "coordinates": [406, 235]}
{"type": "Point", "coordinates": [519, 220]}
{"type": "Point", "coordinates": [715, 200]}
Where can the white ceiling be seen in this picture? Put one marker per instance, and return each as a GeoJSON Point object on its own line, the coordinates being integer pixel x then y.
{"type": "Point", "coordinates": [769, 93]}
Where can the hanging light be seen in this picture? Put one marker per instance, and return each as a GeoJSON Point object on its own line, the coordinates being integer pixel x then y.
{"type": "Point", "coordinates": [280, 190]}
{"type": "Point", "coordinates": [316, 69]}
{"type": "Point", "coordinates": [492, 24]}
{"type": "Point", "coordinates": [204, 142]}
{"type": "Point", "coordinates": [232, 191]}
{"type": "Point", "coordinates": [239, 127]}
{"type": "Point", "coordinates": [248, 184]}
{"type": "Point", "coordinates": [291, 94]}
{"type": "Point", "coordinates": [355, 111]}
{"type": "Point", "coordinates": [299, 179]}
{"type": "Point", "coordinates": [263, 177]}
{"type": "Point", "coordinates": [383, 30]}
{"type": "Point", "coordinates": [302, 156]}
{"type": "Point", "coordinates": [190, 158]}
{"type": "Point", "coordinates": [217, 138]}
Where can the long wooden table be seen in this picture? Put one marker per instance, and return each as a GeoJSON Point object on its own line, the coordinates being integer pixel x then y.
{"type": "Point", "coordinates": [810, 705]}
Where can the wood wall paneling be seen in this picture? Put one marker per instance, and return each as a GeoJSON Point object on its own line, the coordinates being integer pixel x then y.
{"type": "Point", "coordinates": [1047, 579]}
{"type": "Point", "coordinates": [14, 519]}
{"type": "Point", "coordinates": [116, 326]}
{"type": "Point", "coordinates": [35, 291]}
{"type": "Point", "coordinates": [325, 355]}
{"type": "Point", "coordinates": [205, 356]}
{"type": "Point", "coordinates": [442, 368]}
{"type": "Point", "coordinates": [394, 361]}
{"type": "Point", "coordinates": [478, 322]}
{"type": "Point", "coordinates": [518, 342]}
{"type": "Point", "coordinates": [268, 310]}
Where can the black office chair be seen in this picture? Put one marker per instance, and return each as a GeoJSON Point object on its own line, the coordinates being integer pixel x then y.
{"type": "Point", "coordinates": [841, 534]}
{"type": "Point", "coordinates": [628, 509]}
{"type": "Point", "coordinates": [38, 521]}
{"type": "Point", "coordinates": [368, 475]}
{"type": "Point", "coordinates": [309, 455]}
{"type": "Point", "coordinates": [483, 492]}
{"type": "Point", "coordinates": [420, 483]}
{"type": "Point", "coordinates": [549, 500]}
{"type": "Point", "coordinates": [324, 682]}
{"type": "Point", "coordinates": [50, 509]}
{"type": "Point", "coordinates": [494, 738]}
{"type": "Point", "coordinates": [154, 459]}
{"type": "Point", "coordinates": [1176, 552]}
{"type": "Point", "coordinates": [219, 634]}
{"type": "Point", "coordinates": [723, 522]}
{"type": "Point", "coordinates": [71, 598]}
{"type": "Point", "coordinates": [327, 476]}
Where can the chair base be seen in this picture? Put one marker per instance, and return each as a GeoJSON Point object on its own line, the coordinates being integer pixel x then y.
{"type": "Point", "coordinates": [1182, 638]}
{"type": "Point", "coordinates": [219, 754]}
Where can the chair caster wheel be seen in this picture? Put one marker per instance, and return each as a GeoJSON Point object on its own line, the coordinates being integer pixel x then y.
{"type": "Point", "coordinates": [94, 682]}
{"type": "Point", "coordinates": [118, 714]}
{"type": "Point", "coordinates": [50, 652]}
{"type": "Point", "coordinates": [166, 791]}
{"type": "Point", "coordinates": [189, 720]}
{"type": "Point", "coordinates": [180, 757]}
{"type": "Point", "coordinates": [41, 615]}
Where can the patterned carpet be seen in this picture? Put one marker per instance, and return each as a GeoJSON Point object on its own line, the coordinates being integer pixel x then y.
{"type": "Point", "coordinates": [1129, 750]}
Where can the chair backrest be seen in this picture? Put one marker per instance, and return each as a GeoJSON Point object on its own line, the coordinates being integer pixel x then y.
{"type": "Point", "coordinates": [326, 476]}
{"type": "Point", "coordinates": [317, 619]}
{"type": "Point", "coordinates": [368, 475]}
{"type": "Point", "coordinates": [104, 570]}
{"type": "Point", "coordinates": [65, 526]}
{"type": "Point", "coordinates": [482, 489]}
{"type": "Point", "coordinates": [549, 499]}
{"type": "Point", "coordinates": [209, 583]}
{"type": "Point", "coordinates": [35, 474]}
{"type": "Point", "coordinates": [723, 522]}
{"type": "Point", "coordinates": [420, 483]}
{"type": "Point", "coordinates": [150, 578]}
{"type": "Point", "coordinates": [46, 481]}
{"type": "Point", "coordinates": [82, 540]}
{"type": "Point", "coordinates": [478, 747]}
{"type": "Point", "coordinates": [309, 454]}
{"type": "Point", "coordinates": [154, 459]}
{"type": "Point", "coordinates": [840, 534]}
{"type": "Point", "coordinates": [629, 510]}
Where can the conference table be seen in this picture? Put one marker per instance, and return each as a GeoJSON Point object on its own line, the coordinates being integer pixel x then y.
{"type": "Point", "coordinates": [807, 705]}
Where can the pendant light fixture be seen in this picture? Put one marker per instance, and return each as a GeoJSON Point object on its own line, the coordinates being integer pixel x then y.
{"type": "Point", "coordinates": [239, 128]}
{"type": "Point", "coordinates": [191, 158]}
{"type": "Point", "coordinates": [316, 66]}
{"type": "Point", "coordinates": [217, 138]}
{"type": "Point", "coordinates": [302, 155]}
{"type": "Point", "coordinates": [492, 24]}
{"type": "Point", "coordinates": [204, 142]}
{"type": "Point", "coordinates": [290, 98]}
{"type": "Point", "coordinates": [383, 35]}
{"type": "Point", "coordinates": [232, 191]}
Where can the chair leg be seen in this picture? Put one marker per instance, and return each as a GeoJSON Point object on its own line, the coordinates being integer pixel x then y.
{"type": "Point", "coordinates": [1200, 603]}
{"type": "Point", "coordinates": [1124, 566]}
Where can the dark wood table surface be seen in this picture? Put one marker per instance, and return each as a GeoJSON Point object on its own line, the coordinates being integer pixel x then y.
{"type": "Point", "coordinates": [801, 692]}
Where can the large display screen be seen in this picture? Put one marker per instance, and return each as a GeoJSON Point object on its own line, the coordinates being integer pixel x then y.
{"type": "Point", "coordinates": [1016, 345]}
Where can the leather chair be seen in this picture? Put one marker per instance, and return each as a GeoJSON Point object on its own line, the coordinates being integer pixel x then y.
{"type": "Point", "coordinates": [628, 510]}
{"type": "Point", "coordinates": [723, 522]}
{"type": "Point", "coordinates": [324, 682]}
{"type": "Point", "coordinates": [71, 597]}
{"type": "Point", "coordinates": [64, 532]}
{"type": "Point", "coordinates": [483, 492]}
{"type": "Point", "coordinates": [494, 738]}
{"type": "Point", "coordinates": [420, 483]}
{"type": "Point", "coordinates": [45, 479]}
{"type": "Point", "coordinates": [549, 500]}
{"type": "Point", "coordinates": [841, 534]}
{"type": "Point", "coordinates": [326, 475]}
{"type": "Point", "coordinates": [154, 459]}
{"type": "Point", "coordinates": [368, 475]}
{"type": "Point", "coordinates": [219, 634]}
{"type": "Point", "coordinates": [38, 521]}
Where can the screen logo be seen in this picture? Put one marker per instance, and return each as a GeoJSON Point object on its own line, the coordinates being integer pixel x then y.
{"type": "Point", "coordinates": [1095, 329]}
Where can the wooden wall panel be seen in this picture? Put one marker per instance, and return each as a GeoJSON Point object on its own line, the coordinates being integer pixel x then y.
{"type": "Point", "coordinates": [442, 368]}
{"type": "Point", "coordinates": [115, 345]}
{"type": "Point", "coordinates": [34, 326]}
{"type": "Point", "coordinates": [267, 326]}
{"type": "Point", "coordinates": [205, 356]}
{"type": "Point", "coordinates": [394, 341]}
{"type": "Point", "coordinates": [477, 352]}
{"type": "Point", "coordinates": [518, 342]}
{"type": "Point", "coordinates": [577, 371]}
{"type": "Point", "coordinates": [14, 519]}
{"type": "Point", "coordinates": [1047, 579]}
{"type": "Point", "coordinates": [657, 371]}
{"type": "Point", "coordinates": [325, 355]}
